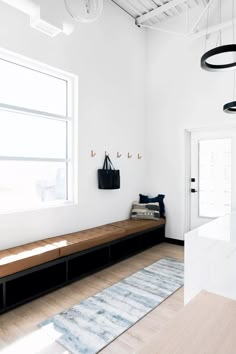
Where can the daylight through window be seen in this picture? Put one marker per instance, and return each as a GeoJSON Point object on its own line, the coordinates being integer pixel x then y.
{"type": "Point", "coordinates": [36, 142]}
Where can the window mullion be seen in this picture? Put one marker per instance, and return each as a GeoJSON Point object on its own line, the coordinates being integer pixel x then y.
{"type": "Point", "coordinates": [33, 159]}
{"type": "Point", "coordinates": [32, 112]}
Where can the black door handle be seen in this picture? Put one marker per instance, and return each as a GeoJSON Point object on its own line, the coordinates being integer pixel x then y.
{"type": "Point", "coordinates": [193, 190]}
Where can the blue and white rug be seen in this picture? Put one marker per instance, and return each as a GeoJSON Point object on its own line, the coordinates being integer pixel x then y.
{"type": "Point", "coordinates": [91, 325]}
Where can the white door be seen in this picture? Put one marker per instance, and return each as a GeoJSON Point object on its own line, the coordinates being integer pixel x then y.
{"type": "Point", "coordinates": [213, 175]}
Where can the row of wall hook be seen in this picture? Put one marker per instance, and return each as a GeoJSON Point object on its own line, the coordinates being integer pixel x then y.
{"type": "Point", "coordinates": [118, 155]}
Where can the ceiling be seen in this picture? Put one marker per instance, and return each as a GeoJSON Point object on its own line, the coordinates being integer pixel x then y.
{"type": "Point", "coordinates": [191, 17]}
{"type": "Point", "coordinates": [152, 12]}
{"type": "Point", "coordinates": [185, 17]}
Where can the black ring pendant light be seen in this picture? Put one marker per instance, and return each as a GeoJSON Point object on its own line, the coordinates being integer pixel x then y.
{"type": "Point", "coordinates": [230, 107]}
{"type": "Point", "coordinates": [221, 49]}
{"type": "Point", "coordinates": [217, 51]}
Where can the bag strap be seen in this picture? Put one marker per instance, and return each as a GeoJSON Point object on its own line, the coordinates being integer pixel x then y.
{"type": "Point", "coordinates": [105, 164]}
{"type": "Point", "coordinates": [111, 164]}
{"type": "Point", "coordinates": [108, 165]}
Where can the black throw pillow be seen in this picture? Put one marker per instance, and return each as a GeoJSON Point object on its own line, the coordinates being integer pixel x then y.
{"type": "Point", "coordinates": [144, 199]}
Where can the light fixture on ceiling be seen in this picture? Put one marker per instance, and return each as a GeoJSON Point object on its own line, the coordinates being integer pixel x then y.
{"type": "Point", "coordinates": [84, 10]}
{"type": "Point", "coordinates": [206, 63]}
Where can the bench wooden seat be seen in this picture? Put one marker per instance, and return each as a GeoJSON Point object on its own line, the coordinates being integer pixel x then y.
{"type": "Point", "coordinates": [23, 257]}
{"type": "Point", "coordinates": [131, 226]}
{"type": "Point", "coordinates": [27, 256]}
{"type": "Point", "coordinates": [99, 235]}
{"type": "Point", "coordinates": [90, 238]}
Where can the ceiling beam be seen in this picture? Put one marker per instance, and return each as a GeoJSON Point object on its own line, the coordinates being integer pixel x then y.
{"type": "Point", "coordinates": [122, 8]}
{"type": "Point", "coordinates": [213, 29]}
{"type": "Point", "coordinates": [206, 9]}
{"type": "Point", "coordinates": [163, 30]}
{"type": "Point", "coordinates": [159, 10]}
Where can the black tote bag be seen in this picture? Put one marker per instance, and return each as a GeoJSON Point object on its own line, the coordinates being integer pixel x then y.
{"type": "Point", "coordinates": [108, 177]}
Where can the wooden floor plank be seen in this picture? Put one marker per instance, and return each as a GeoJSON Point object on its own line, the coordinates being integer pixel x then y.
{"type": "Point", "coordinates": [206, 325]}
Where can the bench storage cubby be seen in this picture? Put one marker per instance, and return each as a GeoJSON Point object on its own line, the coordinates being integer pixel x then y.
{"type": "Point", "coordinates": [33, 270]}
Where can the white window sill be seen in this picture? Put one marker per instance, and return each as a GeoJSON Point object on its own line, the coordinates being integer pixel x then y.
{"type": "Point", "coordinates": [53, 205]}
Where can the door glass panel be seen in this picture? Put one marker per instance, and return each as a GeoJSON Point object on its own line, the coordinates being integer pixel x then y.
{"type": "Point", "coordinates": [215, 164]}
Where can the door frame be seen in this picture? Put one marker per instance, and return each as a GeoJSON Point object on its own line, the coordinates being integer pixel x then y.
{"type": "Point", "coordinates": [187, 141]}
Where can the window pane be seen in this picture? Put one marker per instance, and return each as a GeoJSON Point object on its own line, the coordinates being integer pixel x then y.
{"type": "Point", "coordinates": [214, 177]}
{"type": "Point", "coordinates": [27, 136]}
{"type": "Point", "coordinates": [23, 87]}
{"type": "Point", "coordinates": [26, 185]}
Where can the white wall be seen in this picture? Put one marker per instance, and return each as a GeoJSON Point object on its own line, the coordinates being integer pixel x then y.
{"type": "Point", "coordinates": [181, 96]}
{"type": "Point", "coordinates": [109, 57]}
{"type": "Point", "coordinates": [114, 61]}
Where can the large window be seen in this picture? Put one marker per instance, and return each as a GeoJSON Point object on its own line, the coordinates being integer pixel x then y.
{"type": "Point", "coordinates": [37, 124]}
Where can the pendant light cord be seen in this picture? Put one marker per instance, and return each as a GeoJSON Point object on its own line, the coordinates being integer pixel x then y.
{"type": "Point", "coordinates": [234, 91]}
{"type": "Point", "coordinates": [205, 47]}
{"type": "Point", "coordinates": [233, 21]}
{"type": "Point", "coordinates": [219, 37]}
{"type": "Point", "coordinates": [220, 20]}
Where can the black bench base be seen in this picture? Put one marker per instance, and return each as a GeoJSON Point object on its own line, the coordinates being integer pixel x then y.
{"type": "Point", "coordinates": [32, 283]}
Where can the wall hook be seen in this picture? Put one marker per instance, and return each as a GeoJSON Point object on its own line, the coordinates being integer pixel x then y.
{"type": "Point", "coordinates": [139, 156]}
{"type": "Point", "coordinates": [118, 155]}
{"type": "Point", "coordinates": [93, 153]}
{"type": "Point", "coordinates": [129, 156]}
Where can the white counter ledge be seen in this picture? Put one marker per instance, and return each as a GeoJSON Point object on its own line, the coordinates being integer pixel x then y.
{"type": "Point", "coordinates": [210, 258]}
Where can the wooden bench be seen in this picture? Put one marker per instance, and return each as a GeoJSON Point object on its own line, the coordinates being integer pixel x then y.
{"type": "Point", "coordinates": [56, 261]}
